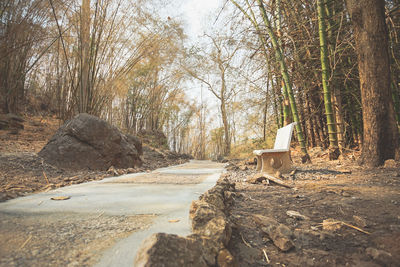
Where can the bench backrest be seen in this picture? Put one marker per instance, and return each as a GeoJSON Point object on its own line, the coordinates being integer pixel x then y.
{"type": "Point", "coordinates": [284, 136]}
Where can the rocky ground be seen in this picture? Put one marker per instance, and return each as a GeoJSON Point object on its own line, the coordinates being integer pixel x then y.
{"type": "Point", "coordinates": [23, 172]}
{"type": "Point", "coordinates": [336, 214]}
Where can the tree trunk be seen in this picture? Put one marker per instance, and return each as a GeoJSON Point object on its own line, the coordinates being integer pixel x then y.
{"type": "Point", "coordinates": [310, 125]}
{"type": "Point", "coordinates": [227, 143]}
{"type": "Point", "coordinates": [381, 136]}
{"type": "Point", "coordinates": [85, 40]}
{"type": "Point", "coordinates": [285, 105]}
{"type": "Point", "coordinates": [302, 114]}
{"type": "Point", "coordinates": [265, 111]}
{"type": "Point", "coordinates": [332, 8]}
{"type": "Point", "coordinates": [396, 101]}
{"type": "Point", "coordinates": [352, 118]}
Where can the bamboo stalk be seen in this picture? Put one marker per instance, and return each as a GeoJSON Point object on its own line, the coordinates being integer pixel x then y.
{"type": "Point", "coordinates": [332, 134]}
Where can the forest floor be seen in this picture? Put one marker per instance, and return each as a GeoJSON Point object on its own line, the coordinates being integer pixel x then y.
{"type": "Point", "coordinates": [349, 215]}
{"type": "Point", "coordinates": [23, 172]}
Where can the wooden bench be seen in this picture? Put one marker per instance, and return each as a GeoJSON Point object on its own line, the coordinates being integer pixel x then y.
{"type": "Point", "coordinates": [277, 159]}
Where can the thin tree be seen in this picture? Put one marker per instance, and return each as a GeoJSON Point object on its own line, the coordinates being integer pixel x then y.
{"type": "Point", "coordinates": [85, 41]}
{"type": "Point", "coordinates": [330, 118]}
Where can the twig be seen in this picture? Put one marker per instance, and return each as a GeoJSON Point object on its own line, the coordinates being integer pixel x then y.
{"type": "Point", "coordinates": [266, 256]}
{"type": "Point", "coordinates": [276, 180]}
{"type": "Point", "coordinates": [100, 214]}
{"type": "Point", "coordinates": [355, 227]}
{"type": "Point", "coordinates": [7, 185]}
{"type": "Point", "coordinates": [26, 242]}
{"type": "Point", "coordinates": [15, 187]}
{"type": "Point", "coordinates": [45, 176]}
{"type": "Point", "coordinates": [346, 224]}
{"type": "Point", "coordinates": [244, 241]}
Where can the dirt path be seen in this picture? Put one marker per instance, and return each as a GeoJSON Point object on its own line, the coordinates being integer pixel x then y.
{"type": "Point", "coordinates": [102, 222]}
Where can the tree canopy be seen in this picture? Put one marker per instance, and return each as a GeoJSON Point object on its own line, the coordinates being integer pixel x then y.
{"type": "Point", "coordinates": [331, 66]}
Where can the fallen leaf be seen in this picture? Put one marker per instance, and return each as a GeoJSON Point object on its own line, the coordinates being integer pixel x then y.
{"type": "Point", "coordinates": [60, 198]}
{"type": "Point", "coordinates": [174, 221]}
{"type": "Point", "coordinates": [331, 225]}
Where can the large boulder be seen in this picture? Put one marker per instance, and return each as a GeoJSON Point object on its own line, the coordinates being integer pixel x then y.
{"type": "Point", "coordinates": [88, 142]}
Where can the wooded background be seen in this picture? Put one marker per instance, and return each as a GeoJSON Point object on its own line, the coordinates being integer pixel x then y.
{"type": "Point", "coordinates": [332, 66]}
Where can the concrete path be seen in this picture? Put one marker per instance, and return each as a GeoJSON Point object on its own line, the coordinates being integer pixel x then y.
{"type": "Point", "coordinates": [166, 193]}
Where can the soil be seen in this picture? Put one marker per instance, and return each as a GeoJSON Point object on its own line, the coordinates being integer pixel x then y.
{"type": "Point", "coordinates": [340, 190]}
{"type": "Point", "coordinates": [23, 172]}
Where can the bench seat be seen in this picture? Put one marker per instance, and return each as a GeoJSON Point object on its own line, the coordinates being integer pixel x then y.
{"type": "Point", "coordinates": [260, 152]}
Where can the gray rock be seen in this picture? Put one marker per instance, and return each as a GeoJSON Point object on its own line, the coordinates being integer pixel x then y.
{"type": "Point", "coordinates": [136, 142]}
{"type": "Point", "coordinates": [281, 237]}
{"type": "Point", "coordinates": [210, 222]}
{"type": "Point", "coordinates": [87, 142]}
{"type": "Point", "coordinates": [214, 197]}
{"type": "Point", "coordinates": [280, 234]}
{"type": "Point", "coordinates": [296, 215]}
{"type": "Point", "coordinates": [169, 251]}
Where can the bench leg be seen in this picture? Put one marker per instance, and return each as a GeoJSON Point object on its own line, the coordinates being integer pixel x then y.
{"type": "Point", "coordinates": [259, 163]}
{"type": "Point", "coordinates": [273, 162]}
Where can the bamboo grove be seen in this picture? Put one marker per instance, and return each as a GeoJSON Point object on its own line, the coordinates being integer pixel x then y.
{"type": "Point", "coordinates": [266, 64]}
{"type": "Point", "coordinates": [112, 59]}
{"type": "Point", "coordinates": [310, 49]}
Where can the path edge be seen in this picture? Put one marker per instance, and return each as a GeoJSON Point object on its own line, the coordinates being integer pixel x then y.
{"type": "Point", "coordinates": [211, 233]}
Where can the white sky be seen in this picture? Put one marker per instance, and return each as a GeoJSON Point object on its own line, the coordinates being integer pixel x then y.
{"type": "Point", "coordinates": [197, 15]}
